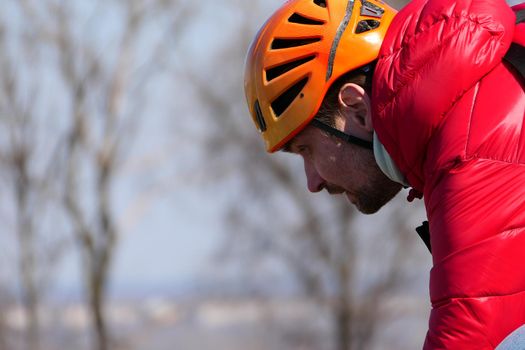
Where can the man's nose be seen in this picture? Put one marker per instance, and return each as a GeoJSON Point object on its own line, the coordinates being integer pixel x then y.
{"type": "Point", "coordinates": [314, 180]}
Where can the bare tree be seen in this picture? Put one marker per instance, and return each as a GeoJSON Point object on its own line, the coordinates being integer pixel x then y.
{"type": "Point", "coordinates": [18, 163]}
{"type": "Point", "coordinates": [102, 85]}
{"type": "Point", "coordinates": [99, 149]}
{"type": "Point", "coordinates": [28, 177]}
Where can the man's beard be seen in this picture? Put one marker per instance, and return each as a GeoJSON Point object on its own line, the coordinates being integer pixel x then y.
{"type": "Point", "coordinates": [377, 191]}
{"type": "Point", "coordinates": [371, 202]}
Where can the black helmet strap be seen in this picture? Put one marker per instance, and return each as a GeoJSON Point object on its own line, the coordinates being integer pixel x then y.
{"type": "Point", "coordinates": [341, 135]}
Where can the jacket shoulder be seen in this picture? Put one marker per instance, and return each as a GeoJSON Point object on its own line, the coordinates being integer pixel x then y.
{"type": "Point", "coordinates": [434, 52]}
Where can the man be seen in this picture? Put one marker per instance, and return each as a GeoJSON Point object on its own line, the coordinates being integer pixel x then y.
{"type": "Point", "coordinates": [431, 98]}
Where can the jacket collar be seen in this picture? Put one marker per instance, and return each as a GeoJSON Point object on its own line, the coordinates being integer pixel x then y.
{"type": "Point", "coordinates": [386, 164]}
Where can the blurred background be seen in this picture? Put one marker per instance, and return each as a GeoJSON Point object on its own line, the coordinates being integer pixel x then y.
{"type": "Point", "coordinates": [139, 210]}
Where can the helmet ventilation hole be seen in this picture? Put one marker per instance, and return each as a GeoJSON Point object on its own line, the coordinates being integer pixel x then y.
{"type": "Point", "coordinates": [300, 19]}
{"type": "Point", "coordinates": [365, 26]}
{"type": "Point", "coordinates": [320, 3]}
{"type": "Point", "coordinates": [287, 43]}
{"type": "Point", "coordinates": [261, 123]}
{"type": "Point", "coordinates": [276, 72]}
{"type": "Point", "coordinates": [284, 101]}
{"type": "Point", "coordinates": [371, 10]}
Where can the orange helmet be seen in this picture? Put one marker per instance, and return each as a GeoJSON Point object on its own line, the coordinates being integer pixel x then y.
{"type": "Point", "coordinates": [300, 51]}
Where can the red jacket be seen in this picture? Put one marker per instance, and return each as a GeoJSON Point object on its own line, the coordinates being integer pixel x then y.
{"type": "Point", "coordinates": [451, 115]}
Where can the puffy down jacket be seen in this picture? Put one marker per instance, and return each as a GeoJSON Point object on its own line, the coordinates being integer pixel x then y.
{"type": "Point", "coordinates": [451, 114]}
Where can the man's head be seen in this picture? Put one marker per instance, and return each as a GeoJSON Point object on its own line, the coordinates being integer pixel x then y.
{"type": "Point", "coordinates": [298, 68]}
{"type": "Point", "coordinates": [336, 164]}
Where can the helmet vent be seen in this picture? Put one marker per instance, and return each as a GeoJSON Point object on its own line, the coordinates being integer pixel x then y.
{"type": "Point", "coordinates": [284, 101]}
{"type": "Point", "coordinates": [300, 19]}
{"type": "Point", "coordinates": [320, 3]}
{"type": "Point", "coordinates": [276, 72]}
{"type": "Point", "coordinates": [365, 26]}
{"type": "Point", "coordinates": [371, 10]}
{"type": "Point", "coordinates": [287, 43]}
{"type": "Point", "coordinates": [259, 118]}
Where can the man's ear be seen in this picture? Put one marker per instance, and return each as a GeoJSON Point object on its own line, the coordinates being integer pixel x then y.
{"type": "Point", "coordinates": [355, 107]}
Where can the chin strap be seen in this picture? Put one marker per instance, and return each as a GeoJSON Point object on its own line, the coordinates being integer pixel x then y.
{"type": "Point", "coordinates": [516, 57]}
{"type": "Point", "coordinates": [424, 232]}
{"type": "Point", "coordinates": [516, 54]}
{"type": "Point", "coordinates": [341, 135]}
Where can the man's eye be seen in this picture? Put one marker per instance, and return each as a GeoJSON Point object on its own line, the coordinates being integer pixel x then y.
{"type": "Point", "coordinates": [302, 149]}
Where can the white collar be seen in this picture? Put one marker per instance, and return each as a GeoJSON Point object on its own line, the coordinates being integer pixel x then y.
{"type": "Point", "coordinates": [386, 164]}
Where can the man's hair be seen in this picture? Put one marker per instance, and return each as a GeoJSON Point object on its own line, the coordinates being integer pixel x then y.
{"type": "Point", "coordinates": [330, 107]}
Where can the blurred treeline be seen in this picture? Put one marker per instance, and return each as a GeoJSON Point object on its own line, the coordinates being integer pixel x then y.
{"type": "Point", "coordinates": [80, 82]}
